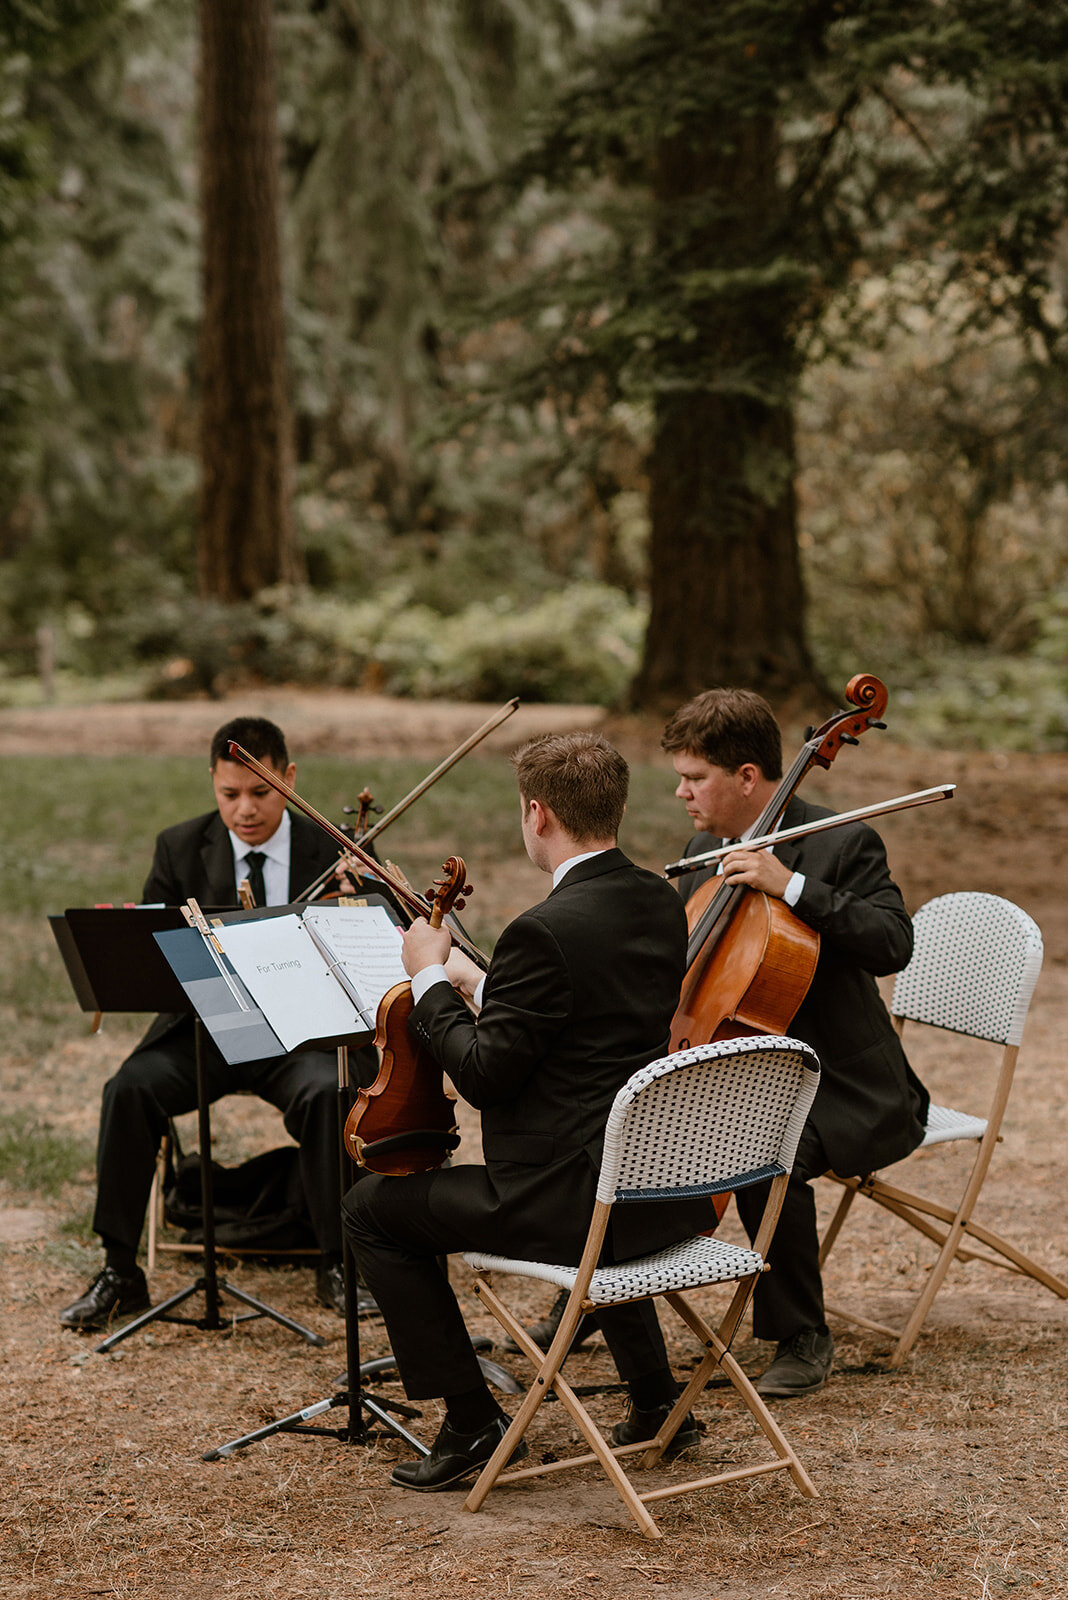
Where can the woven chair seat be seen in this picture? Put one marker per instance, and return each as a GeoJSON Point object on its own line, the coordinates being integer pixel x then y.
{"type": "Point", "coordinates": [686, 1265]}
{"type": "Point", "coordinates": [944, 1125]}
{"type": "Point", "coordinates": [690, 1125]}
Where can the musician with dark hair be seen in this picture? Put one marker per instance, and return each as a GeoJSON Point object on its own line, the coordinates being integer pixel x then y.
{"type": "Point", "coordinates": [250, 835]}
{"type": "Point", "coordinates": [870, 1108]}
{"type": "Point", "coordinates": [579, 994]}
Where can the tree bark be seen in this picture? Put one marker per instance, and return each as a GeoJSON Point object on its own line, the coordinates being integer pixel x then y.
{"type": "Point", "coordinates": [245, 534]}
{"type": "Point", "coordinates": [727, 600]}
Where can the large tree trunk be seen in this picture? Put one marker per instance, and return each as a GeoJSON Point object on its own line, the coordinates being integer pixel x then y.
{"type": "Point", "coordinates": [245, 535]}
{"type": "Point", "coordinates": [727, 604]}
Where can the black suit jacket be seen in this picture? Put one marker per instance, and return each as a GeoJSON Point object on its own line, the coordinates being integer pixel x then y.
{"type": "Point", "coordinates": [580, 994]}
{"type": "Point", "coordinates": [870, 1107]}
{"type": "Point", "coordinates": [195, 860]}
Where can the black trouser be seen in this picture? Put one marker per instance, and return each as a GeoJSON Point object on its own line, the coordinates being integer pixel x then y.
{"type": "Point", "coordinates": [399, 1228]}
{"type": "Point", "coordinates": [158, 1082]}
{"type": "Point", "coordinates": [790, 1296]}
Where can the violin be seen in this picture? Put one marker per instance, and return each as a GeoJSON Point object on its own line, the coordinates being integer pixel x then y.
{"type": "Point", "coordinates": [401, 890]}
{"type": "Point", "coordinates": [750, 960]}
{"type": "Point", "coordinates": [363, 834]}
{"type": "Point", "coordinates": [317, 890]}
{"type": "Point", "coordinates": [405, 1121]}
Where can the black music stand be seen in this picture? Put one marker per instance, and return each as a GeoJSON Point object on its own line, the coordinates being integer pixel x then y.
{"type": "Point", "coordinates": [351, 1395]}
{"type": "Point", "coordinates": [115, 964]}
{"type": "Point", "coordinates": [242, 1031]}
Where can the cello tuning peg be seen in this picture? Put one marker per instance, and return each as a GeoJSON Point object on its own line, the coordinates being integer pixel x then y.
{"type": "Point", "coordinates": [873, 724]}
{"type": "Point", "coordinates": [809, 731]}
{"type": "Point", "coordinates": [848, 738]}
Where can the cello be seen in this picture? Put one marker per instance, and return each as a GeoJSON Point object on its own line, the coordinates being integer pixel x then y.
{"type": "Point", "coordinates": [749, 959]}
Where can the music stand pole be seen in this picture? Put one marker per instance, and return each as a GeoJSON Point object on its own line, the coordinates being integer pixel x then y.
{"type": "Point", "coordinates": [208, 1283]}
{"type": "Point", "coordinates": [350, 1391]}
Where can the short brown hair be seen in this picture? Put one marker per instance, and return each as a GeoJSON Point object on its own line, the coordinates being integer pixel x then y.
{"type": "Point", "coordinates": [727, 727]}
{"type": "Point", "coordinates": [580, 777]}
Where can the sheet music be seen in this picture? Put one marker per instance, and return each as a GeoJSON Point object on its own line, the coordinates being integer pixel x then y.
{"type": "Point", "coordinates": [287, 970]}
{"type": "Point", "coordinates": [367, 943]}
{"type": "Point", "coordinates": [287, 977]}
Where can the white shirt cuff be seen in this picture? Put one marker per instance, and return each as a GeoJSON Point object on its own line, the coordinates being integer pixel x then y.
{"type": "Point", "coordinates": [792, 893]}
{"type": "Point", "coordinates": [426, 979]}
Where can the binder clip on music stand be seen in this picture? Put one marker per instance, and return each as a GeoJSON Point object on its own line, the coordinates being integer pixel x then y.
{"type": "Point", "coordinates": [114, 963]}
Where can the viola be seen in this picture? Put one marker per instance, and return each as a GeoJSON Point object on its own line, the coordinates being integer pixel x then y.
{"type": "Point", "coordinates": [405, 1121]}
{"type": "Point", "coordinates": [750, 960]}
{"type": "Point", "coordinates": [401, 890]}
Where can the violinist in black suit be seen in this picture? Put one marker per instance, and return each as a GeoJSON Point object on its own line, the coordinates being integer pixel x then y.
{"type": "Point", "coordinates": [870, 1108]}
{"type": "Point", "coordinates": [250, 835]}
{"type": "Point", "coordinates": [579, 995]}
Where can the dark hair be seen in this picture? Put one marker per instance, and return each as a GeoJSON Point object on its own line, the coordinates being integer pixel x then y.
{"type": "Point", "coordinates": [727, 727]}
{"type": "Point", "coordinates": [580, 777]}
{"type": "Point", "coordinates": [261, 739]}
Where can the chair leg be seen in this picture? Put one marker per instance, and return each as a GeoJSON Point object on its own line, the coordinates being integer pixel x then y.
{"type": "Point", "coordinates": [1023, 1264]}
{"type": "Point", "coordinates": [834, 1227]}
{"type": "Point", "coordinates": [549, 1377]}
{"type": "Point", "coordinates": [719, 1356]}
{"type": "Point", "coordinates": [155, 1203]}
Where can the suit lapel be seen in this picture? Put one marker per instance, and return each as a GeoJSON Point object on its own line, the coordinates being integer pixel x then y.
{"type": "Point", "coordinates": [788, 853]}
{"type": "Point", "coordinates": [305, 864]}
{"type": "Point", "coordinates": [217, 860]}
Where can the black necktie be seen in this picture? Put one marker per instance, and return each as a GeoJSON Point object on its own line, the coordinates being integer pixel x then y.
{"type": "Point", "coordinates": [255, 859]}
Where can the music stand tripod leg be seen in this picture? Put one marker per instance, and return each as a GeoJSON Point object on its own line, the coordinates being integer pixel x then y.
{"type": "Point", "coordinates": [208, 1283]}
{"type": "Point", "coordinates": [352, 1395]}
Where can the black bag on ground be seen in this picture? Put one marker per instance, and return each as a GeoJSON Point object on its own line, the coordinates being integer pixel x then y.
{"type": "Point", "coordinates": [258, 1205]}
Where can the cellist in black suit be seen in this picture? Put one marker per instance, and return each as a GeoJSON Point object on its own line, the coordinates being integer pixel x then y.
{"type": "Point", "coordinates": [579, 994]}
{"type": "Point", "coordinates": [870, 1108]}
{"type": "Point", "coordinates": [250, 835]}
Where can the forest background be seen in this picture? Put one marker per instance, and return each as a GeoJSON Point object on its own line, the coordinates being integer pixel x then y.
{"type": "Point", "coordinates": [629, 347]}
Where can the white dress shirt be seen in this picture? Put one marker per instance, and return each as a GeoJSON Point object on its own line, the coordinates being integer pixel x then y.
{"type": "Point", "coordinates": [426, 979]}
{"type": "Point", "coordinates": [275, 868]}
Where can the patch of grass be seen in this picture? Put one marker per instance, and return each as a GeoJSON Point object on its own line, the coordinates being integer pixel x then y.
{"type": "Point", "coordinates": [36, 1160]}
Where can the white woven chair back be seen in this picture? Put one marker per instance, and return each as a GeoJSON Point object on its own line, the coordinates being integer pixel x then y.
{"type": "Point", "coordinates": [708, 1119]}
{"type": "Point", "coordinates": [974, 967]}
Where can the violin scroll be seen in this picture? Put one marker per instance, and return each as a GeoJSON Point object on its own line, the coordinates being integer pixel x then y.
{"type": "Point", "coordinates": [446, 891]}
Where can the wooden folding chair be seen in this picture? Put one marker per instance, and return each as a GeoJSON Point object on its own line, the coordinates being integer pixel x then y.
{"type": "Point", "coordinates": [695, 1124]}
{"type": "Point", "coordinates": [974, 966]}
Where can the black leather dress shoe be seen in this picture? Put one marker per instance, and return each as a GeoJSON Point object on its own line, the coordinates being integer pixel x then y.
{"type": "Point", "coordinates": [640, 1425]}
{"type": "Point", "coordinates": [801, 1366]}
{"type": "Point", "coordinates": [454, 1457]}
{"type": "Point", "coordinates": [330, 1291]}
{"type": "Point", "coordinates": [544, 1332]}
{"type": "Point", "coordinates": [109, 1295]}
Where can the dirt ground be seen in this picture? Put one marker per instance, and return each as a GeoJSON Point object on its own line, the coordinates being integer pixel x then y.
{"type": "Point", "coordinates": [945, 1479]}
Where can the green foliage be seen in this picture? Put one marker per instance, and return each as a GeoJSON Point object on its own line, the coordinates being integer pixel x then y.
{"type": "Point", "coordinates": [34, 1159]}
{"type": "Point", "coordinates": [579, 645]}
{"type": "Point", "coordinates": [477, 368]}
